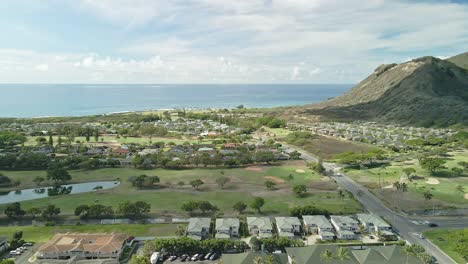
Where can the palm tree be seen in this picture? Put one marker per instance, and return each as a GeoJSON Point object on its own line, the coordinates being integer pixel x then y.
{"type": "Point", "coordinates": [342, 254]}
{"type": "Point", "coordinates": [407, 250]}
{"type": "Point", "coordinates": [326, 256]}
{"type": "Point", "coordinates": [404, 187]}
{"type": "Point", "coordinates": [257, 260]}
{"type": "Point", "coordinates": [397, 185]}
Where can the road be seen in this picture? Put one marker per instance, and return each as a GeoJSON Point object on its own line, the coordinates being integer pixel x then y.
{"type": "Point", "coordinates": [408, 228]}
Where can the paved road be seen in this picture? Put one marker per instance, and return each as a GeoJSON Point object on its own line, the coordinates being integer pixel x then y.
{"type": "Point", "coordinates": [402, 224]}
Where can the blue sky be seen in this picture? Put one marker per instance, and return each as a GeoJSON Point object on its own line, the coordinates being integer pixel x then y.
{"type": "Point", "coordinates": [217, 41]}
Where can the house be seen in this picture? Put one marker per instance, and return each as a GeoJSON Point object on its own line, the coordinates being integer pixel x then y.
{"type": "Point", "coordinates": [356, 255]}
{"type": "Point", "coordinates": [198, 228]}
{"type": "Point", "coordinates": [260, 226]}
{"type": "Point", "coordinates": [318, 224]}
{"type": "Point", "coordinates": [83, 245]}
{"type": "Point", "coordinates": [121, 152]}
{"type": "Point", "coordinates": [345, 226]}
{"type": "Point", "coordinates": [315, 223]}
{"type": "Point", "coordinates": [3, 244]}
{"type": "Point", "coordinates": [227, 227]}
{"type": "Point", "coordinates": [288, 226]}
{"type": "Point", "coordinates": [148, 151]}
{"type": "Point", "coordinates": [373, 223]}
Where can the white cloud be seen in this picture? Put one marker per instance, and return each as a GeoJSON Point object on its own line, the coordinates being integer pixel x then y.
{"type": "Point", "coordinates": [42, 67]}
{"type": "Point", "coordinates": [252, 41]}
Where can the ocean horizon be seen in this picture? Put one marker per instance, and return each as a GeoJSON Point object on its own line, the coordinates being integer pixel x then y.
{"type": "Point", "coordinates": [44, 100]}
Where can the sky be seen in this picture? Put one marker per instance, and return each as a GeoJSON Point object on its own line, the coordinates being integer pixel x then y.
{"type": "Point", "coordinates": [221, 41]}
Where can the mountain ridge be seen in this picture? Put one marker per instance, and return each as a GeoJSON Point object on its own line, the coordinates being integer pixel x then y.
{"type": "Point", "coordinates": [424, 91]}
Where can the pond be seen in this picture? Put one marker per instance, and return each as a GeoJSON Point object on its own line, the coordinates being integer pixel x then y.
{"type": "Point", "coordinates": [31, 194]}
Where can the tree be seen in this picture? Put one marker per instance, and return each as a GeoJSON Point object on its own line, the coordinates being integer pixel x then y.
{"type": "Point", "coordinates": [432, 164]}
{"type": "Point", "coordinates": [316, 166]}
{"type": "Point", "coordinates": [404, 187]}
{"type": "Point", "coordinates": [7, 261]}
{"type": "Point", "coordinates": [456, 172]}
{"type": "Point", "coordinates": [33, 212]}
{"type": "Point", "coordinates": [58, 174]}
{"type": "Point", "coordinates": [290, 177]}
{"type": "Point", "coordinates": [300, 190]}
{"type": "Point", "coordinates": [428, 195]}
{"type": "Point", "coordinates": [464, 164]}
{"type": "Point", "coordinates": [196, 183]}
{"type": "Point", "coordinates": [326, 256]}
{"type": "Point", "coordinates": [239, 207]}
{"type": "Point", "coordinates": [409, 171]}
{"type": "Point", "coordinates": [397, 185]}
{"type": "Point", "coordinates": [82, 210]}
{"type": "Point", "coordinates": [205, 206]}
{"type": "Point", "coordinates": [38, 180]}
{"type": "Point", "coordinates": [460, 189]}
{"type": "Point", "coordinates": [50, 212]}
{"type": "Point", "coordinates": [96, 135]}
{"type": "Point", "coordinates": [134, 210]}
{"type": "Point", "coordinates": [341, 194]}
{"type": "Point", "coordinates": [342, 254]}
{"type": "Point", "coordinates": [271, 185]}
{"type": "Point", "coordinates": [190, 207]}
{"type": "Point", "coordinates": [138, 260]}
{"type": "Point", "coordinates": [257, 204]}
{"type": "Point", "coordinates": [222, 181]}
{"type": "Point", "coordinates": [14, 211]}
{"type": "Point", "coordinates": [41, 141]}
{"type": "Point", "coordinates": [51, 139]}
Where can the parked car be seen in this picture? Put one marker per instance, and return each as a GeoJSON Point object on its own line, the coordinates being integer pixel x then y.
{"type": "Point", "coordinates": [214, 256]}
{"type": "Point", "coordinates": [28, 244]}
{"type": "Point", "coordinates": [207, 256]}
{"type": "Point", "coordinates": [184, 257]}
{"type": "Point", "coordinates": [195, 257]}
{"type": "Point", "coordinates": [371, 237]}
{"type": "Point", "coordinates": [433, 225]}
{"type": "Point", "coordinates": [172, 258]}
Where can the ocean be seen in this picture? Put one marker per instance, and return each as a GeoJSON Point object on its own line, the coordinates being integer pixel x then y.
{"type": "Point", "coordinates": [40, 100]}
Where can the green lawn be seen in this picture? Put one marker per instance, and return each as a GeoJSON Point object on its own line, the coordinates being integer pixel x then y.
{"type": "Point", "coordinates": [448, 240]}
{"type": "Point", "coordinates": [40, 234]}
{"type": "Point", "coordinates": [445, 191]}
{"type": "Point", "coordinates": [246, 183]}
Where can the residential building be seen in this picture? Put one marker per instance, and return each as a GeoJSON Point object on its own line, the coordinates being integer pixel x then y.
{"type": "Point", "coordinates": [198, 228]}
{"type": "Point", "coordinates": [260, 226]}
{"type": "Point", "coordinates": [373, 223]}
{"type": "Point", "coordinates": [83, 245]}
{"type": "Point", "coordinates": [345, 226]}
{"type": "Point", "coordinates": [250, 257]}
{"type": "Point", "coordinates": [364, 255]}
{"type": "Point", "coordinates": [288, 226]}
{"type": "Point", "coordinates": [318, 224]}
{"type": "Point", "coordinates": [227, 227]}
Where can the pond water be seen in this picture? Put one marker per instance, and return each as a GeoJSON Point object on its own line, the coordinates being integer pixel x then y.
{"type": "Point", "coordinates": [31, 194]}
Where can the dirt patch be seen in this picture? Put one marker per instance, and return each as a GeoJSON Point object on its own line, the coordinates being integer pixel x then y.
{"type": "Point", "coordinates": [300, 171]}
{"type": "Point", "coordinates": [432, 181]}
{"type": "Point", "coordinates": [258, 169]}
{"type": "Point", "coordinates": [466, 196]}
{"type": "Point", "coordinates": [275, 179]}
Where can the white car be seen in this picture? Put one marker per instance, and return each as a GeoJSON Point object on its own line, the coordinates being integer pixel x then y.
{"type": "Point", "coordinates": [421, 236]}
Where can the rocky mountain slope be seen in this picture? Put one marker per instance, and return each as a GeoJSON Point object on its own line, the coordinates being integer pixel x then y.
{"type": "Point", "coordinates": [460, 60]}
{"type": "Point", "coordinates": [425, 91]}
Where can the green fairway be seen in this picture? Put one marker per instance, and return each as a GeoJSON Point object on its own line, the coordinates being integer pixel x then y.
{"type": "Point", "coordinates": [244, 185]}
{"type": "Point", "coordinates": [40, 234]}
{"type": "Point", "coordinates": [454, 242]}
{"type": "Point", "coordinates": [445, 191]}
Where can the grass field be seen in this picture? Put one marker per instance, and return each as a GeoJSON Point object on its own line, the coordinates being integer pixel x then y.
{"type": "Point", "coordinates": [444, 192]}
{"type": "Point", "coordinates": [245, 184]}
{"type": "Point", "coordinates": [448, 240]}
{"type": "Point", "coordinates": [40, 234]}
